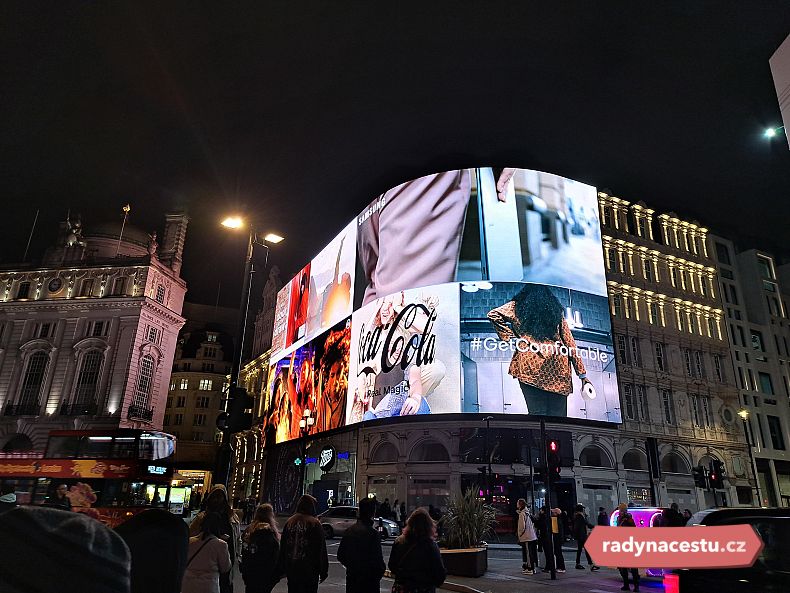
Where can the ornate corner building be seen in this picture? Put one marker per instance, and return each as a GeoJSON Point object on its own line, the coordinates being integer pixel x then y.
{"type": "Point", "coordinates": [88, 335]}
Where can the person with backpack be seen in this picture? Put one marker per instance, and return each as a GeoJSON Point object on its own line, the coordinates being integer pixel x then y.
{"type": "Point", "coordinates": [260, 548]}
{"type": "Point", "coordinates": [303, 558]}
{"type": "Point", "coordinates": [208, 557]}
{"type": "Point", "coordinates": [360, 552]}
{"type": "Point", "coordinates": [580, 525]}
{"type": "Point", "coordinates": [415, 560]}
{"type": "Point", "coordinates": [625, 519]}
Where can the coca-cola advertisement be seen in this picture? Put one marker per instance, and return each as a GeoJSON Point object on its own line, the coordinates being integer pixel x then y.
{"type": "Point", "coordinates": [405, 355]}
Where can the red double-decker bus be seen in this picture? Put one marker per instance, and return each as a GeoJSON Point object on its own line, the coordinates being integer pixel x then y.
{"type": "Point", "coordinates": [110, 474]}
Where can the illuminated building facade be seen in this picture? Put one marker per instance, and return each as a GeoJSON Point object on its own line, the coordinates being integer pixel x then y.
{"type": "Point", "coordinates": [88, 335]}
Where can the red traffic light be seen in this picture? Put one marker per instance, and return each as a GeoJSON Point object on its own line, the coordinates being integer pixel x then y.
{"type": "Point", "coordinates": [553, 446]}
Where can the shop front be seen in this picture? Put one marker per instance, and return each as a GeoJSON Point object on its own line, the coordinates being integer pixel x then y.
{"type": "Point", "coordinates": [330, 470]}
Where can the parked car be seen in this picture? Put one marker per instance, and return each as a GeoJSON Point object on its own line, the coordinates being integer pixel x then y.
{"type": "Point", "coordinates": [336, 520]}
{"type": "Point", "coordinates": [769, 574]}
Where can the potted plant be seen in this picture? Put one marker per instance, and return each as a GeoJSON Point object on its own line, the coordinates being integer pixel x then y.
{"type": "Point", "coordinates": [468, 521]}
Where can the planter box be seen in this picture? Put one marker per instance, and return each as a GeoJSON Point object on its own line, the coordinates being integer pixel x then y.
{"type": "Point", "coordinates": [470, 562]}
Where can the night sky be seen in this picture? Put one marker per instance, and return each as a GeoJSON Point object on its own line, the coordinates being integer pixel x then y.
{"type": "Point", "coordinates": [300, 113]}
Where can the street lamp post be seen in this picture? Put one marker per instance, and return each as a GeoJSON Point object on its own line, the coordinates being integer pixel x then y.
{"type": "Point", "coordinates": [305, 424]}
{"type": "Point", "coordinates": [744, 414]}
{"type": "Point", "coordinates": [222, 473]}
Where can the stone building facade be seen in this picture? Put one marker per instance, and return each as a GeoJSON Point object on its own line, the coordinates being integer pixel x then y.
{"type": "Point", "coordinates": [87, 336]}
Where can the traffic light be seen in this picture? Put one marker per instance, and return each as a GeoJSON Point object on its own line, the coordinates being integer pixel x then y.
{"type": "Point", "coordinates": [237, 420]}
{"type": "Point", "coordinates": [553, 457]}
{"type": "Point", "coordinates": [716, 474]}
{"type": "Point", "coordinates": [700, 480]}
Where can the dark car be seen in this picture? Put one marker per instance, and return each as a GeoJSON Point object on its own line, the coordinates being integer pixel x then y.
{"type": "Point", "coordinates": [769, 574]}
{"type": "Point", "coordinates": [336, 520]}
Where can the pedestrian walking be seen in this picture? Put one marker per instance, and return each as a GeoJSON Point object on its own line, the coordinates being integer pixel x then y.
{"type": "Point", "coordinates": [415, 560]}
{"type": "Point", "coordinates": [580, 525]}
{"type": "Point", "coordinates": [553, 538]}
{"type": "Point", "coordinates": [603, 517]}
{"type": "Point", "coordinates": [260, 550]}
{"type": "Point", "coordinates": [396, 511]}
{"type": "Point", "coordinates": [626, 520]}
{"type": "Point", "coordinates": [209, 557]}
{"type": "Point", "coordinates": [672, 517]}
{"type": "Point", "coordinates": [360, 552]}
{"type": "Point", "coordinates": [402, 514]}
{"type": "Point", "coordinates": [527, 538]}
{"type": "Point", "coordinates": [159, 568]}
{"type": "Point", "coordinates": [217, 502]}
{"type": "Point", "coordinates": [386, 509]}
{"type": "Point", "coordinates": [303, 558]}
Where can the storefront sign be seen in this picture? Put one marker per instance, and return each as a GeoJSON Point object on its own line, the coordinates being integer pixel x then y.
{"type": "Point", "coordinates": [68, 468]}
{"type": "Point", "coordinates": [157, 470]}
{"type": "Point", "coordinates": [327, 458]}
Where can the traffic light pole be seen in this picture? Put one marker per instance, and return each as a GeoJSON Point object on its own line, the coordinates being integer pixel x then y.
{"type": "Point", "coordinates": [550, 563]}
{"type": "Point", "coordinates": [488, 460]}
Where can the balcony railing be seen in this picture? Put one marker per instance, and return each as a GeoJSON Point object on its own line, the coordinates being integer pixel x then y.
{"type": "Point", "coordinates": [25, 409]}
{"type": "Point", "coordinates": [86, 409]}
{"type": "Point", "coordinates": [140, 413]}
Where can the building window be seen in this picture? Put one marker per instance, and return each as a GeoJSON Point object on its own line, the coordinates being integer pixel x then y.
{"type": "Point", "coordinates": [187, 366]}
{"type": "Point", "coordinates": [199, 420]}
{"type": "Point", "coordinates": [636, 355]}
{"type": "Point", "coordinates": [673, 276]}
{"type": "Point", "coordinates": [607, 216]}
{"type": "Point", "coordinates": [722, 253]}
{"type": "Point", "coordinates": [694, 405]}
{"type": "Point", "coordinates": [209, 352]}
{"type": "Point", "coordinates": [152, 335]}
{"type": "Point", "coordinates": [145, 378]}
{"type": "Point", "coordinates": [766, 268]}
{"type": "Point", "coordinates": [178, 419]}
{"type": "Point", "coordinates": [86, 288]}
{"type": "Point", "coordinates": [652, 313]}
{"type": "Point", "coordinates": [205, 385]}
{"type": "Point", "coordinates": [160, 294]}
{"type": "Point", "coordinates": [34, 378]}
{"type": "Point", "coordinates": [706, 406]}
{"type": "Point", "coordinates": [202, 401]}
{"type": "Point", "coordinates": [693, 323]}
{"type": "Point", "coordinates": [617, 305]}
{"type": "Point", "coordinates": [766, 384]}
{"type": "Point", "coordinates": [184, 384]}
{"type": "Point", "coordinates": [648, 267]}
{"type": "Point", "coordinates": [622, 350]}
{"type": "Point", "coordinates": [641, 227]}
{"type": "Point", "coordinates": [628, 307]}
{"type": "Point", "coordinates": [733, 295]}
{"type": "Point", "coordinates": [641, 401]}
{"type": "Point", "coordinates": [118, 285]}
{"type": "Point", "coordinates": [88, 378]}
{"type": "Point", "coordinates": [628, 399]}
{"type": "Point", "coordinates": [668, 404]}
{"type": "Point", "coordinates": [181, 401]}
{"type": "Point", "coordinates": [757, 341]}
{"type": "Point", "coordinates": [612, 260]}
{"type": "Point", "coordinates": [661, 359]}
{"type": "Point", "coordinates": [166, 420]}
{"type": "Point", "coordinates": [197, 435]}
{"type": "Point", "coordinates": [688, 360]}
{"type": "Point", "coordinates": [23, 290]}
{"type": "Point", "coordinates": [679, 318]}
{"type": "Point", "coordinates": [718, 368]}
{"type": "Point", "coordinates": [169, 402]}
{"type": "Point", "coordinates": [99, 328]}
{"type": "Point", "coordinates": [207, 367]}
{"type": "Point", "coordinates": [699, 364]}
{"type": "Point", "coordinates": [775, 430]}
{"type": "Point", "coordinates": [45, 330]}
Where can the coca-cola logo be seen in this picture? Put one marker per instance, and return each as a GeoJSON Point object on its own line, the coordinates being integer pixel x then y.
{"type": "Point", "coordinates": [401, 342]}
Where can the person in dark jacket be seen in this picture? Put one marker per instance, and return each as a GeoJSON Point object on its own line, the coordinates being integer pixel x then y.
{"type": "Point", "coordinates": [260, 551]}
{"type": "Point", "coordinates": [552, 543]}
{"type": "Point", "coordinates": [415, 560]}
{"type": "Point", "coordinates": [385, 511]}
{"type": "Point", "coordinates": [580, 525]}
{"type": "Point", "coordinates": [59, 499]}
{"type": "Point", "coordinates": [625, 519]}
{"type": "Point", "coordinates": [360, 552]}
{"type": "Point", "coordinates": [156, 568]}
{"type": "Point", "coordinates": [303, 558]}
{"type": "Point", "coordinates": [603, 517]}
{"type": "Point", "coordinates": [672, 517]}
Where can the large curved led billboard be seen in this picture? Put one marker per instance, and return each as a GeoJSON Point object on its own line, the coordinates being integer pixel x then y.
{"type": "Point", "coordinates": [476, 290]}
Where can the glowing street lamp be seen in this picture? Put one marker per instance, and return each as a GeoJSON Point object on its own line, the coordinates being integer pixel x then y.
{"type": "Point", "coordinates": [772, 132]}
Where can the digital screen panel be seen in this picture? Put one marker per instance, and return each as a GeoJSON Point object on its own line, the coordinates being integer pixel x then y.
{"type": "Point", "coordinates": [498, 277]}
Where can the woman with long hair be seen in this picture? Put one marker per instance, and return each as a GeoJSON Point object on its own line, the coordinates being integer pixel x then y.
{"type": "Point", "coordinates": [543, 349]}
{"type": "Point", "coordinates": [261, 547]}
{"type": "Point", "coordinates": [217, 502]}
{"type": "Point", "coordinates": [208, 557]}
{"type": "Point", "coordinates": [415, 560]}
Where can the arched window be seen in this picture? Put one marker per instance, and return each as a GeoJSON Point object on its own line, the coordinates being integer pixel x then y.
{"type": "Point", "coordinates": [386, 452]}
{"type": "Point", "coordinates": [34, 378]}
{"type": "Point", "coordinates": [706, 460]}
{"type": "Point", "coordinates": [429, 451]}
{"type": "Point", "coordinates": [674, 464]}
{"type": "Point", "coordinates": [88, 378]}
{"type": "Point", "coordinates": [145, 379]}
{"type": "Point", "coordinates": [635, 459]}
{"type": "Point", "coordinates": [594, 456]}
